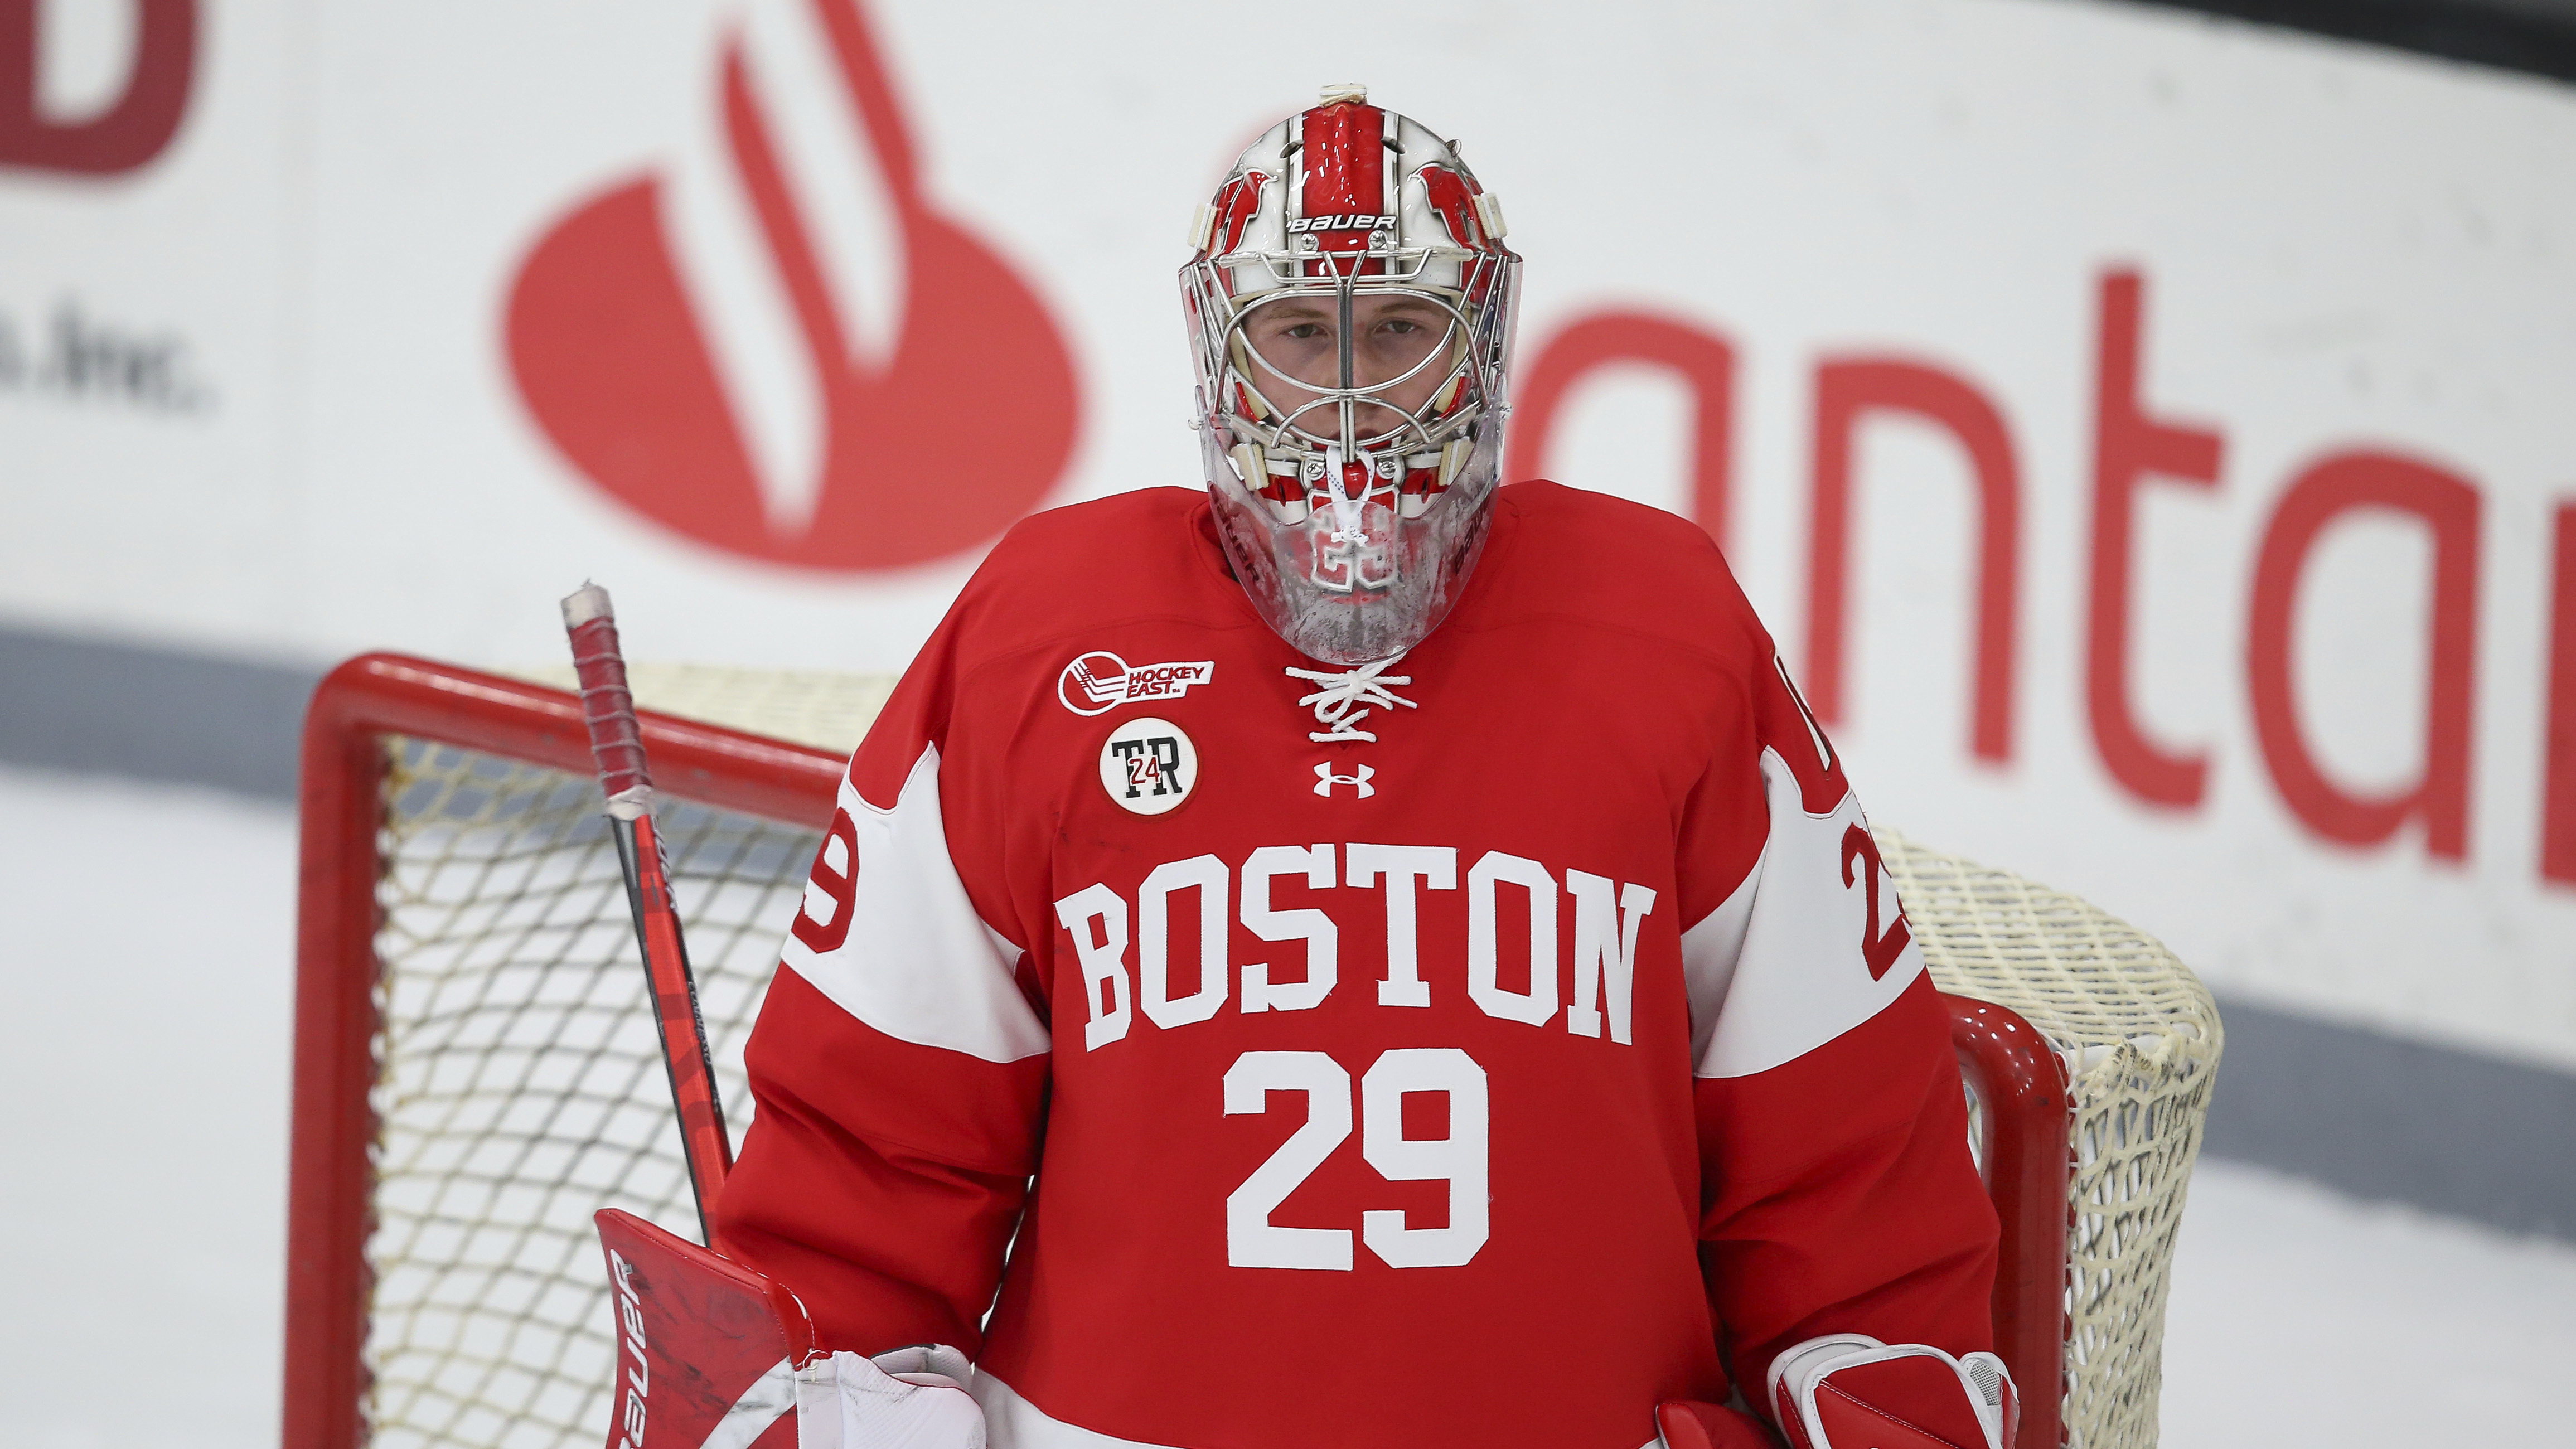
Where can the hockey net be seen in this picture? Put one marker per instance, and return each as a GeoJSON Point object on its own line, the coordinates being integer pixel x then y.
{"type": "Point", "coordinates": [2139, 1039]}
{"type": "Point", "coordinates": [477, 1071]}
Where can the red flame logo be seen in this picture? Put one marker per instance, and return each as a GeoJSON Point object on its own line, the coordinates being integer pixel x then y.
{"type": "Point", "coordinates": [878, 423]}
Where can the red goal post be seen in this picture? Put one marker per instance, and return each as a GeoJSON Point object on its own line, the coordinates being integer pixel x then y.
{"type": "Point", "coordinates": [341, 811]}
{"type": "Point", "coordinates": [513, 862]}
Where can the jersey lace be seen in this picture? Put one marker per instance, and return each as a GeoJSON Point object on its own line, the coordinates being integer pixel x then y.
{"type": "Point", "coordinates": [1343, 699]}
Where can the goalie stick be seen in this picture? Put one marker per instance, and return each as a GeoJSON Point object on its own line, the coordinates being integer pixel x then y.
{"type": "Point", "coordinates": [710, 1352]}
{"type": "Point", "coordinates": [617, 746]}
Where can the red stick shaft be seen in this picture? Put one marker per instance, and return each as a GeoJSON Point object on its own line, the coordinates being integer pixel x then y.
{"type": "Point", "coordinates": [617, 746]}
{"type": "Point", "coordinates": [683, 1028]}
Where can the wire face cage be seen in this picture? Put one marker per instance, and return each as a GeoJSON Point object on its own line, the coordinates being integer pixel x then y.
{"type": "Point", "coordinates": [477, 1070]}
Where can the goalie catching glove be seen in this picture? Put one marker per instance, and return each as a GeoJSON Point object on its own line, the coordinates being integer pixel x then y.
{"type": "Point", "coordinates": [711, 1355]}
{"type": "Point", "coordinates": [1850, 1391]}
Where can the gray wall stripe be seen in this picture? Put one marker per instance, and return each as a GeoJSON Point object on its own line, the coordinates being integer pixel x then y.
{"type": "Point", "coordinates": [2371, 1114]}
{"type": "Point", "coordinates": [2538, 36]}
{"type": "Point", "coordinates": [2386, 1117]}
{"type": "Point", "coordinates": [151, 713]}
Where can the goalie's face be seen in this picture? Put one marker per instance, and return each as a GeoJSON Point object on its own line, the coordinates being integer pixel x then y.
{"type": "Point", "coordinates": [1382, 362]}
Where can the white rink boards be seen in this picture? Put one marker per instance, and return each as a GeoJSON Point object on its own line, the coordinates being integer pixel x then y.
{"type": "Point", "coordinates": [372, 432]}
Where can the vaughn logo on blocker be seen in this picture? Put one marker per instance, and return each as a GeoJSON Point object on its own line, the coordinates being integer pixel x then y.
{"type": "Point", "coordinates": [1098, 682]}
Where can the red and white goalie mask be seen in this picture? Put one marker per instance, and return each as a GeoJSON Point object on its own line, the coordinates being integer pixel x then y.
{"type": "Point", "coordinates": [1350, 311]}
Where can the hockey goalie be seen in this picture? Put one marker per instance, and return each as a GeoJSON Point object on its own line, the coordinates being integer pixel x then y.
{"type": "Point", "coordinates": [1351, 955]}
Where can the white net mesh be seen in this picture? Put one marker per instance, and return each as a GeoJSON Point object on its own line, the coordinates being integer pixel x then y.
{"type": "Point", "coordinates": [521, 1086]}
{"type": "Point", "coordinates": [2141, 1039]}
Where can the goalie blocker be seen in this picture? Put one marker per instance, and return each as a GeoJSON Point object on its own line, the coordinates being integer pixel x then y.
{"type": "Point", "coordinates": [711, 1355]}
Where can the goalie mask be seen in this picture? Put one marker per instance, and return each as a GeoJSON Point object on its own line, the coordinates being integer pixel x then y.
{"type": "Point", "coordinates": [1350, 313]}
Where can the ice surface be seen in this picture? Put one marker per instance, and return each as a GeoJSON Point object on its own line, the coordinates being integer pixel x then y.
{"type": "Point", "coordinates": [2302, 1317]}
{"type": "Point", "coordinates": [148, 934]}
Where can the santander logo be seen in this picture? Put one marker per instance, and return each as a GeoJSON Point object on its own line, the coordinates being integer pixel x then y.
{"type": "Point", "coordinates": [774, 344]}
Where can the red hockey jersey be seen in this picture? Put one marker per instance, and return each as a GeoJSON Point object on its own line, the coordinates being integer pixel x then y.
{"type": "Point", "coordinates": [1559, 1051]}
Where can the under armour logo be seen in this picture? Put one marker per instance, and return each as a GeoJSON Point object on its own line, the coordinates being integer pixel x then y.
{"type": "Point", "coordinates": [1325, 780]}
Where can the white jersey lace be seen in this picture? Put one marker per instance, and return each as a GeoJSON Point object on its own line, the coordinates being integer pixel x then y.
{"type": "Point", "coordinates": [1339, 703]}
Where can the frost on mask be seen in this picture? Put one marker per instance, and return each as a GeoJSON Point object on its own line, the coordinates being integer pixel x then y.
{"type": "Point", "coordinates": [1343, 575]}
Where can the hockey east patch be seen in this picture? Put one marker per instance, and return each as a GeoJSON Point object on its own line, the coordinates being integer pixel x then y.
{"type": "Point", "coordinates": [1099, 681]}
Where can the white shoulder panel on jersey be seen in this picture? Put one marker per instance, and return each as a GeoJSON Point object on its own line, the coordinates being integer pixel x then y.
{"type": "Point", "coordinates": [916, 962]}
{"type": "Point", "coordinates": [1784, 965]}
{"type": "Point", "coordinates": [1710, 951]}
